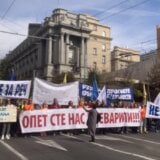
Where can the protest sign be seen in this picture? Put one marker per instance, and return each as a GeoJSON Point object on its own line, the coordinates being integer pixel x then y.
{"type": "Point", "coordinates": [44, 91]}
{"type": "Point", "coordinates": [152, 110]}
{"type": "Point", "coordinates": [15, 89]}
{"type": "Point", "coordinates": [121, 94]}
{"type": "Point", "coordinates": [61, 119]}
{"type": "Point", "coordinates": [8, 114]}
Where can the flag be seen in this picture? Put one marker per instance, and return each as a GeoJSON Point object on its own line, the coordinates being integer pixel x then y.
{"type": "Point", "coordinates": [102, 95]}
{"type": "Point", "coordinates": [144, 94]}
{"type": "Point", "coordinates": [65, 78]}
{"type": "Point", "coordinates": [11, 75]}
{"type": "Point", "coordinates": [157, 100]}
{"type": "Point", "coordinates": [95, 89]}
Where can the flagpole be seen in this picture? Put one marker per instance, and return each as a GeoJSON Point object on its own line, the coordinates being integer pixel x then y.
{"type": "Point", "coordinates": [65, 78]}
{"type": "Point", "coordinates": [144, 95]}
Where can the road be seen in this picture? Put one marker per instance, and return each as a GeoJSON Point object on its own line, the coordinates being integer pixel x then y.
{"type": "Point", "coordinates": [65, 147]}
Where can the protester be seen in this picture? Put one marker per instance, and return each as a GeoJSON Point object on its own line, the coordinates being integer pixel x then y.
{"type": "Point", "coordinates": [54, 105]}
{"type": "Point", "coordinates": [81, 103]}
{"type": "Point", "coordinates": [71, 131]}
{"type": "Point", "coordinates": [28, 105]}
{"type": "Point", "coordinates": [7, 126]}
{"type": "Point", "coordinates": [44, 107]}
{"type": "Point", "coordinates": [157, 125]}
{"type": "Point", "coordinates": [92, 120]}
{"type": "Point", "coordinates": [71, 105]}
{"type": "Point", "coordinates": [143, 120]}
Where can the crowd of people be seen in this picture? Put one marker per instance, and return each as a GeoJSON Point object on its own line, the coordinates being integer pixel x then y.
{"type": "Point", "coordinates": [13, 129]}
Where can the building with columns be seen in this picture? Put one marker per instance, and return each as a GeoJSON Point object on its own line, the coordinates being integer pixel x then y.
{"type": "Point", "coordinates": [64, 42]}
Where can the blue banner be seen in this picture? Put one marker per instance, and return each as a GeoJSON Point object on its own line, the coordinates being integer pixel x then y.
{"type": "Point", "coordinates": [120, 94]}
{"type": "Point", "coordinates": [85, 90]}
{"type": "Point", "coordinates": [112, 94]}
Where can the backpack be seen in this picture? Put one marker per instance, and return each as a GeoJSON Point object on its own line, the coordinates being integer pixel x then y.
{"type": "Point", "coordinates": [98, 117]}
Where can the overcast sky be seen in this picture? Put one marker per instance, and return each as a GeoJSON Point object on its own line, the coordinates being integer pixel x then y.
{"type": "Point", "coordinates": [133, 22]}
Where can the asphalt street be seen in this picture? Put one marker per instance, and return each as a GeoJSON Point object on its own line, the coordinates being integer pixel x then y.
{"type": "Point", "coordinates": [67, 147]}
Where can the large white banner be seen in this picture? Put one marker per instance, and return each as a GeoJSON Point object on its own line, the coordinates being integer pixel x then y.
{"type": "Point", "coordinates": [61, 119]}
{"type": "Point", "coordinates": [152, 110]}
{"type": "Point", "coordinates": [44, 91]}
{"type": "Point", "coordinates": [15, 89]}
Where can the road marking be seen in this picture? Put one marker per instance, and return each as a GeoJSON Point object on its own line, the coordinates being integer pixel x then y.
{"type": "Point", "coordinates": [139, 139]}
{"type": "Point", "coordinates": [121, 151]}
{"type": "Point", "coordinates": [22, 157]}
{"type": "Point", "coordinates": [73, 137]}
{"type": "Point", "coordinates": [113, 149]}
{"type": "Point", "coordinates": [49, 143]}
{"type": "Point", "coordinates": [112, 139]}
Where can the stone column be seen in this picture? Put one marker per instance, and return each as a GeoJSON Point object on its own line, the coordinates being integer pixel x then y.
{"type": "Point", "coordinates": [82, 52]}
{"type": "Point", "coordinates": [40, 54]}
{"type": "Point", "coordinates": [85, 61]}
{"type": "Point", "coordinates": [62, 56]}
{"type": "Point", "coordinates": [82, 59]}
{"type": "Point", "coordinates": [49, 46]}
{"type": "Point", "coordinates": [67, 48]}
{"type": "Point", "coordinates": [78, 58]}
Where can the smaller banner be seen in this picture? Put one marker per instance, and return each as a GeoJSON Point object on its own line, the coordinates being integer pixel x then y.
{"type": "Point", "coordinates": [8, 114]}
{"type": "Point", "coordinates": [152, 110]}
{"type": "Point", "coordinates": [61, 119]}
{"type": "Point", "coordinates": [86, 90]}
{"type": "Point", "coordinates": [15, 89]}
{"type": "Point", "coordinates": [112, 94]}
{"type": "Point", "coordinates": [121, 94]}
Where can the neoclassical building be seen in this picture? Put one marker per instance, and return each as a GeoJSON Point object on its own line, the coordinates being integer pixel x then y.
{"type": "Point", "coordinates": [64, 42]}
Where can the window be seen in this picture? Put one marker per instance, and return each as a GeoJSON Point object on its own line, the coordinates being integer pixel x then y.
{"type": "Point", "coordinates": [103, 59]}
{"type": "Point", "coordinates": [94, 28]}
{"type": "Point", "coordinates": [94, 51]}
{"type": "Point", "coordinates": [104, 34]}
{"type": "Point", "coordinates": [70, 56]}
{"type": "Point", "coordinates": [103, 48]}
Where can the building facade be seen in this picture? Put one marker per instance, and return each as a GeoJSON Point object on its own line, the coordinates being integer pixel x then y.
{"type": "Point", "coordinates": [158, 40]}
{"type": "Point", "coordinates": [64, 42]}
{"type": "Point", "coordinates": [137, 72]}
{"type": "Point", "coordinates": [121, 58]}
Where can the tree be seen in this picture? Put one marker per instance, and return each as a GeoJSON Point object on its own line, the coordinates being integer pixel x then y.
{"type": "Point", "coordinates": [4, 69]}
{"type": "Point", "coordinates": [91, 75]}
{"type": "Point", "coordinates": [154, 80]}
{"type": "Point", "coordinates": [59, 77]}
